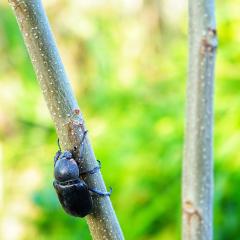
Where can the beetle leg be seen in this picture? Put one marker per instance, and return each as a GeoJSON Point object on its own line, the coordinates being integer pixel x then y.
{"type": "Point", "coordinates": [94, 170]}
{"type": "Point", "coordinates": [102, 194]}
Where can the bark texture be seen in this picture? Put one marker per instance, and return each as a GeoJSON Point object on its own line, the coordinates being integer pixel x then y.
{"type": "Point", "coordinates": [197, 182]}
{"type": "Point", "coordinates": [63, 108]}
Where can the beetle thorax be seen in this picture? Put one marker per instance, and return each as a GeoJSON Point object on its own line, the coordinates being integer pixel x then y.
{"type": "Point", "coordinates": [66, 169]}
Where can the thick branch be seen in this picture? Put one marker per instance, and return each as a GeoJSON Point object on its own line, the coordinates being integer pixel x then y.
{"type": "Point", "coordinates": [197, 192]}
{"type": "Point", "coordinates": [63, 107]}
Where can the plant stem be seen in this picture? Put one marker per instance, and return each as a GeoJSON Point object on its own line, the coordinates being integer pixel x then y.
{"type": "Point", "coordinates": [197, 185]}
{"type": "Point", "coordinates": [63, 108]}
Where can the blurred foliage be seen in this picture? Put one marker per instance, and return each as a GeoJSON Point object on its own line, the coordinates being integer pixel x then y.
{"type": "Point", "coordinates": [127, 62]}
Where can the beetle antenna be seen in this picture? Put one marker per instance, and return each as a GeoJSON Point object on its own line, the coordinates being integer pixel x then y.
{"type": "Point", "coordinates": [58, 141]}
{"type": "Point", "coordinates": [84, 136]}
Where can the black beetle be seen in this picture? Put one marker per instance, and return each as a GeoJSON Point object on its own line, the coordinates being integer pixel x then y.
{"type": "Point", "coordinates": [73, 193]}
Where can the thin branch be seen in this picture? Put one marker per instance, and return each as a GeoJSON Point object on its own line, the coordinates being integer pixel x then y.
{"type": "Point", "coordinates": [63, 107]}
{"type": "Point", "coordinates": [197, 192]}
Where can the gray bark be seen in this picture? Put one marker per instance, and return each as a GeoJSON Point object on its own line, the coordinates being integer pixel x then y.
{"type": "Point", "coordinates": [197, 182]}
{"type": "Point", "coordinates": [63, 107]}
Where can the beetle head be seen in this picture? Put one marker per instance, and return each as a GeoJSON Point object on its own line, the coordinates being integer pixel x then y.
{"type": "Point", "coordinates": [66, 154]}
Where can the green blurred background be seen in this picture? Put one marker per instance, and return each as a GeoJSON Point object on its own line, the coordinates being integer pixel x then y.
{"type": "Point", "coordinates": [127, 61]}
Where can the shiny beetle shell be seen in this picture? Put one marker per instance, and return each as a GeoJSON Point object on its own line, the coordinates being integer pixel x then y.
{"type": "Point", "coordinates": [72, 192]}
{"type": "Point", "coordinates": [74, 197]}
